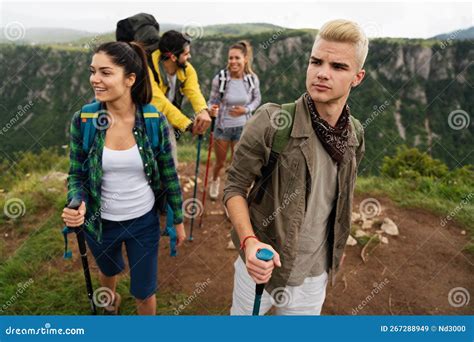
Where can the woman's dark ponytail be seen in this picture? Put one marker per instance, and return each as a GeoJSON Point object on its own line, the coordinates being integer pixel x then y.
{"type": "Point", "coordinates": [141, 90]}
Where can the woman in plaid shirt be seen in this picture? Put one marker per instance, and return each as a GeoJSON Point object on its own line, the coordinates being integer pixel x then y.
{"type": "Point", "coordinates": [120, 176]}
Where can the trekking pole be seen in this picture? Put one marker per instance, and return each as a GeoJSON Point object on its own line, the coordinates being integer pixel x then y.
{"type": "Point", "coordinates": [171, 231]}
{"type": "Point", "coordinates": [75, 204]}
{"type": "Point", "coordinates": [194, 204]}
{"type": "Point", "coordinates": [265, 255]}
{"type": "Point", "coordinates": [211, 142]}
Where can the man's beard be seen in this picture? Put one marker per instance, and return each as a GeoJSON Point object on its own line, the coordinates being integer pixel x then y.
{"type": "Point", "coordinates": [181, 65]}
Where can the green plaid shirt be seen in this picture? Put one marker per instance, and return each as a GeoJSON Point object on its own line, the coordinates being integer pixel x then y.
{"type": "Point", "coordinates": [85, 172]}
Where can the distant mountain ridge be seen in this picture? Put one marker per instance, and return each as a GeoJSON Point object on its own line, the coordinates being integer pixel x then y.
{"type": "Point", "coordinates": [461, 34]}
{"type": "Point", "coordinates": [416, 92]}
{"type": "Point", "coordinates": [78, 37]}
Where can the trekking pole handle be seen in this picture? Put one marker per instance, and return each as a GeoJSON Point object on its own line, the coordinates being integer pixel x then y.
{"type": "Point", "coordinates": [264, 254]}
{"type": "Point", "coordinates": [213, 123]}
{"type": "Point", "coordinates": [74, 204]}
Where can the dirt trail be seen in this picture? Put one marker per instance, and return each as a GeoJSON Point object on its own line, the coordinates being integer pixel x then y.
{"type": "Point", "coordinates": [412, 274]}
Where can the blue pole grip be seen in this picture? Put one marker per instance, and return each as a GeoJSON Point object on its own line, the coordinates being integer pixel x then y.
{"type": "Point", "coordinates": [264, 254]}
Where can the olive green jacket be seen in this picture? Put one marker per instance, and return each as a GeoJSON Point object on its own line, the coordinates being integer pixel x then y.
{"type": "Point", "coordinates": [277, 219]}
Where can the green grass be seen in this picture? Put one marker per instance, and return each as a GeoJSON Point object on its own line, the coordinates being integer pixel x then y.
{"type": "Point", "coordinates": [440, 198]}
{"type": "Point", "coordinates": [51, 285]}
{"type": "Point", "coordinates": [3, 252]}
{"type": "Point", "coordinates": [41, 245]}
{"type": "Point", "coordinates": [187, 152]}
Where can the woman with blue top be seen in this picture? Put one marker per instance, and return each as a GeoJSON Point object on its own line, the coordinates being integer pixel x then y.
{"type": "Point", "coordinates": [120, 166]}
{"type": "Point", "coordinates": [235, 94]}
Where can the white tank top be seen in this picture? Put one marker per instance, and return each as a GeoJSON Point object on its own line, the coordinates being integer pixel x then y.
{"type": "Point", "coordinates": [126, 193]}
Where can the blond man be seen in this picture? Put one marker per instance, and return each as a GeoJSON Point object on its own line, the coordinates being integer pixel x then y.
{"type": "Point", "coordinates": [300, 204]}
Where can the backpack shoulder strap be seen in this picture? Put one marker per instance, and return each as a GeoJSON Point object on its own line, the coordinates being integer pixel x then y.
{"type": "Point", "coordinates": [249, 79]}
{"type": "Point", "coordinates": [151, 116]}
{"type": "Point", "coordinates": [152, 68]}
{"type": "Point", "coordinates": [89, 115]}
{"type": "Point", "coordinates": [222, 82]}
{"type": "Point", "coordinates": [357, 128]}
{"type": "Point", "coordinates": [281, 137]}
{"type": "Point", "coordinates": [280, 140]}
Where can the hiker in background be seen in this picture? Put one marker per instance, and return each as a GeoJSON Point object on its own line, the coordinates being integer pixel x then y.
{"type": "Point", "coordinates": [172, 76]}
{"type": "Point", "coordinates": [118, 172]}
{"type": "Point", "coordinates": [177, 78]}
{"type": "Point", "coordinates": [303, 157]}
{"type": "Point", "coordinates": [235, 94]}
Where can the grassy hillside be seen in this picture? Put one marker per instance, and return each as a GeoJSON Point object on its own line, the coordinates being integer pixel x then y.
{"type": "Point", "coordinates": [35, 279]}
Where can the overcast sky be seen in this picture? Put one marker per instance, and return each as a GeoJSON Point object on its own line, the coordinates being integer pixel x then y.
{"type": "Point", "coordinates": [390, 19]}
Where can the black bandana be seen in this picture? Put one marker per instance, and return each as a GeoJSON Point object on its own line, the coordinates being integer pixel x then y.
{"type": "Point", "coordinates": [334, 139]}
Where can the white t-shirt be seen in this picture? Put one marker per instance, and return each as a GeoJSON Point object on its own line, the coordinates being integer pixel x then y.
{"type": "Point", "coordinates": [172, 86]}
{"type": "Point", "coordinates": [126, 193]}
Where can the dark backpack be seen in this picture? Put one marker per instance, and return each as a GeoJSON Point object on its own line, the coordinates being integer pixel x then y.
{"type": "Point", "coordinates": [144, 29]}
{"type": "Point", "coordinates": [280, 140]}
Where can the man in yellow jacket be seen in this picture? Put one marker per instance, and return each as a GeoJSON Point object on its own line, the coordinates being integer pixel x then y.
{"type": "Point", "coordinates": [172, 78]}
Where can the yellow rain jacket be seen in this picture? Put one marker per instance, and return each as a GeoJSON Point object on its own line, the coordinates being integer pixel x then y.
{"type": "Point", "coordinates": [187, 84]}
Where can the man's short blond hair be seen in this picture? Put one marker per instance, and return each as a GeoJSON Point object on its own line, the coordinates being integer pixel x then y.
{"type": "Point", "coordinates": [346, 31]}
